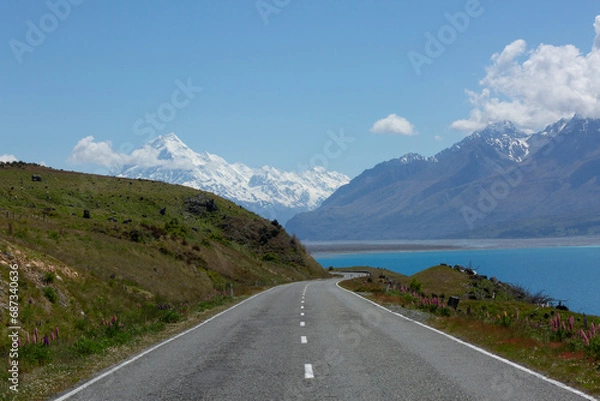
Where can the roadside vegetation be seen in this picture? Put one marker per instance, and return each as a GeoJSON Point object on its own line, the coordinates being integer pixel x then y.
{"type": "Point", "coordinates": [107, 266]}
{"type": "Point", "coordinates": [503, 318]}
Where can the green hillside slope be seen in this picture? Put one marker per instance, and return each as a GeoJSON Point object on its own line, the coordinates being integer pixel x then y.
{"type": "Point", "coordinates": [102, 260]}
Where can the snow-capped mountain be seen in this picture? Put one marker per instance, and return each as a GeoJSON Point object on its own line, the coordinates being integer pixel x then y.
{"type": "Point", "coordinates": [509, 142]}
{"type": "Point", "coordinates": [264, 190]}
{"type": "Point", "coordinates": [497, 182]}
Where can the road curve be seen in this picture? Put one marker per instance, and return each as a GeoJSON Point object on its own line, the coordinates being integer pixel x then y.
{"type": "Point", "coordinates": [315, 341]}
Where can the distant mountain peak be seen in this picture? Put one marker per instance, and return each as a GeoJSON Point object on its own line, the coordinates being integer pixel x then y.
{"type": "Point", "coordinates": [412, 157]}
{"type": "Point", "coordinates": [264, 190]}
{"type": "Point", "coordinates": [497, 182]}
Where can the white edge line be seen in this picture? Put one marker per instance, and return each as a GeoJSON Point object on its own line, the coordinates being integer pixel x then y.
{"type": "Point", "coordinates": [308, 371]}
{"type": "Point", "coordinates": [481, 350]}
{"type": "Point", "coordinates": [149, 350]}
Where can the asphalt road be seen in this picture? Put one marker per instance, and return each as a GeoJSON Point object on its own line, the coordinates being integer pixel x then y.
{"type": "Point", "coordinates": [315, 341]}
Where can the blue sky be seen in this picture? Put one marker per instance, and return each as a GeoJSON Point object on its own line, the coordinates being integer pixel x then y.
{"type": "Point", "coordinates": [287, 83]}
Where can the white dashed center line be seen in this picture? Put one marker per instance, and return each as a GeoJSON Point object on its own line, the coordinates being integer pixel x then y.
{"type": "Point", "coordinates": [308, 371]}
{"type": "Point", "coordinates": [301, 313]}
{"type": "Point", "coordinates": [302, 324]}
{"type": "Point", "coordinates": [303, 340]}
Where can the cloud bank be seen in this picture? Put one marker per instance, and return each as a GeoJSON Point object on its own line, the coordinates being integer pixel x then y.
{"type": "Point", "coordinates": [7, 158]}
{"type": "Point", "coordinates": [537, 87]}
{"type": "Point", "coordinates": [88, 151]}
{"type": "Point", "coordinates": [393, 124]}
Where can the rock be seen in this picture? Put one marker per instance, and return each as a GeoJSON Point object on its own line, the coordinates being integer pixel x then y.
{"type": "Point", "coordinates": [200, 204]}
{"type": "Point", "coordinates": [453, 302]}
{"type": "Point", "coordinates": [163, 211]}
{"type": "Point", "coordinates": [36, 177]}
{"type": "Point", "coordinates": [86, 214]}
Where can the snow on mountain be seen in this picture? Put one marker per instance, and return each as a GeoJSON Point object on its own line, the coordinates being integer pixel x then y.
{"type": "Point", "coordinates": [264, 190]}
{"type": "Point", "coordinates": [503, 137]}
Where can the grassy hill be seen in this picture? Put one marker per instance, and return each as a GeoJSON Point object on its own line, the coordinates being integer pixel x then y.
{"type": "Point", "coordinates": [104, 260]}
{"type": "Point", "coordinates": [501, 317]}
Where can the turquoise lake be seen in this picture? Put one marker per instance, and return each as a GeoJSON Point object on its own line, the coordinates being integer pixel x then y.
{"type": "Point", "coordinates": [570, 274]}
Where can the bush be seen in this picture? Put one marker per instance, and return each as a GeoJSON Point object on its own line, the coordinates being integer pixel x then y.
{"type": "Point", "coordinates": [170, 316]}
{"type": "Point", "coordinates": [270, 257]}
{"type": "Point", "coordinates": [445, 311]}
{"type": "Point", "coordinates": [594, 349]}
{"type": "Point", "coordinates": [50, 293]}
{"type": "Point", "coordinates": [86, 346]}
{"type": "Point", "coordinates": [415, 286]}
{"type": "Point", "coordinates": [49, 278]}
{"type": "Point", "coordinates": [36, 354]}
{"type": "Point", "coordinates": [53, 235]}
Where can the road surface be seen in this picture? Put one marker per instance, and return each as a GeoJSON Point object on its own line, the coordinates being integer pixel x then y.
{"type": "Point", "coordinates": [315, 341]}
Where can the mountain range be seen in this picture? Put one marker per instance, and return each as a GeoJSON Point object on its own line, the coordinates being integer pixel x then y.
{"type": "Point", "coordinates": [267, 191]}
{"type": "Point", "coordinates": [499, 182]}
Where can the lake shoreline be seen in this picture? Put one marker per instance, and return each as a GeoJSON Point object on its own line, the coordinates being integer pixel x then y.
{"type": "Point", "coordinates": [321, 248]}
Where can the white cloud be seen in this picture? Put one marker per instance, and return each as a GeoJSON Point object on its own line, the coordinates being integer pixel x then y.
{"type": "Point", "coordinates": [393, 124]}
{"type": "Point", "coordinates": [88, 151]}
{"type": "Point", "coordinates": [101, 153]}
{"type": "Point", "coordinates": [7, 158]}
{"type": "Point", "coordinates": [438, 138]}
{"type": "Point", "coordinates": [537, 87]}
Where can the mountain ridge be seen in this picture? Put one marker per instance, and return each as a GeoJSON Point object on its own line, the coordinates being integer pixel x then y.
{"type": "Point", "coordinates": [265, 190]}
{"type": "Point", "coordinates": [467, 189]}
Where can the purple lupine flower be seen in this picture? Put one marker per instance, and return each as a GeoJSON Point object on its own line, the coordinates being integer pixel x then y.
{"type": "Point", "coordinates": [571, 323]}
{"type": "Point", "coordinates": [585, 338]}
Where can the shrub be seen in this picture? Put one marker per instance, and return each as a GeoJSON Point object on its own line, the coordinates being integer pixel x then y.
{"type": "Point", "coordinates": [53, 235]}
{"type": "Point", "coordinates": [415, 286]}
{"type": "Point", "coordinates": [36, 354]}
{"type": "Point", "coordinates": [49, 278]}
{"type": "Point", "coordinates": [445, 311]}
{"type": "Point", "coordinates": [50, 293]}
{"type": "Point", "coordinates": [270, 257]}
{"type": "Point", "coordinates": [170, 316]}
{"type": "Point", "coordinates": [85, 346]}
{"type": "Point", "coordinates": [594, 348]}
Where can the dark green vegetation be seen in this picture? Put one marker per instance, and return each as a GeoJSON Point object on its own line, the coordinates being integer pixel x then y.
{"type": "Point", "coordinates": [503, 318]}
{"type": "Point", "coordinates": [104, 261]}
